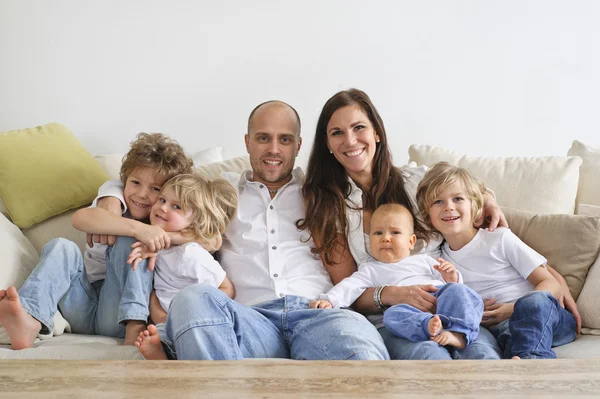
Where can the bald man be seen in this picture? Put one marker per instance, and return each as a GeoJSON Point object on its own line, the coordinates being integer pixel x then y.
{"type": "Point", "coordinates": [272, 268]}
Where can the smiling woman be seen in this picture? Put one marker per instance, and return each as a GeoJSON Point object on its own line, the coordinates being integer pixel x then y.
{"type": "Point", "coordinates": [350, 174]}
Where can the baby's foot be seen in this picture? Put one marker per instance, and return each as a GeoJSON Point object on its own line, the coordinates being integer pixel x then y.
{"type": "Point", "coordinates": [434, 325]}
{"type": "Point", "coordinates": [20, 326]}
{"type": "Point", "coordinates": [148, 343]}
{"type": "Point", "coordinates": [516, 358]}
{"type": "Point", "coordinates": [133, 330]}
{"type": "Point", "coordinates": [451, 338]}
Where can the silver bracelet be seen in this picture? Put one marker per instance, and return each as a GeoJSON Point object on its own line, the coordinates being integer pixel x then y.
{"type": "Point", "coordinates": [377, 297]}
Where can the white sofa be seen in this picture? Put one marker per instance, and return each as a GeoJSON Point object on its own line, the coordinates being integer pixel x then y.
{"type": "Point", "coordinates": [547, 185]}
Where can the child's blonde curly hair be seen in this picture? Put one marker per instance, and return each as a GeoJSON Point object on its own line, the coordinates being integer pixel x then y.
{"type": "Point", "coordinates": [437, 179]}
{"type": "Point", "coordinates": [157, 151]}
{"type": "Point", "coordinates": [213, 204]}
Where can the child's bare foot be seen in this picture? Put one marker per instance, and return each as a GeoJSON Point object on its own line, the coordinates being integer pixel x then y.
{"type": "Point", "coordinates": [133, 330]}
{"type": "Point", "coordinates": [516, 358]}
{"type": "Point", "coordinates": [451, 338]}
{"type": "Point", "coordinates": [149, 344]}
{"type": "Point", "coordinates": [434, 325]}
{"type": "Point", "coordinates": [20, 326]}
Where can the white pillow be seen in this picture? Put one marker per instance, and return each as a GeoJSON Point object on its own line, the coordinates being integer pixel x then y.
{"type": "Point", "coordinates": [542, 184]}
{"type": "Point", "coordinates": [210, 155]}
{"type": "Point", "coordinates": [17, 261]}
{"type": "Point", "coordinates": [111, 164]}
{"type": "Point", "coordinates": [588, 301]}
{"type": "Point", "coordinates": [589, 183]}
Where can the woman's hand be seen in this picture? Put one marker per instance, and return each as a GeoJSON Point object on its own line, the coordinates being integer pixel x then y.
{"type": "Point", "coordinates": [491, 212]}
{"type": "Point", "coordinates": [418, 296]}
{"type": "Point", "coordinates": [494, 313]}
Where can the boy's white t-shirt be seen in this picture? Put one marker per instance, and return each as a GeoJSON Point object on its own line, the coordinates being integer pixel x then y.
{"type": "Point", "coordinates": [94, 258]}
{"type": "Point", "coordinates": [496, 264]}
{"type": "Point", "coordinates": [183, 265]}
{"type": "Point", "coordinates": [414, 270]}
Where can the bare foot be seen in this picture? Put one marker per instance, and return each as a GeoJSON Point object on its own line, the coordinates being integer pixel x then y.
{"type": "Point", "coordinates": [434, 325]}
{"type": "Point", "coordinates": [516, 358]}
{"type": "Point", "coordinates": [20, 326]}
{"type": "Point", "coordinates": [149, 344]}
{"type": "Point", "coordinates": [451, 338]}
{"type": "Point", "coordinates": [133, 330]}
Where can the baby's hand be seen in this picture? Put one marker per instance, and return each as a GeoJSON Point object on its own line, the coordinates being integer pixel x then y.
{"type": "Point", "coordinates": [320, 304]}
{"type": "Point", "coordinates": [447, 270]}
{"type": "Point", "coordinates": [140, 252]}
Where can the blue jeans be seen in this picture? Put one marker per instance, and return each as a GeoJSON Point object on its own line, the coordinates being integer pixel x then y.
{"type": "Point", "coordinates": [59, 281]}
{"type": "Point", "coordinates": [205, 324]}
{"type": "Point", "coordinates": [537, 324]}
{"type": "Point", "coordinates": [458, 306]}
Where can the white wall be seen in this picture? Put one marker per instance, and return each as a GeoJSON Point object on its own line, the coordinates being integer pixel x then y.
{"type": "Point", "coordinates": [511, 77]}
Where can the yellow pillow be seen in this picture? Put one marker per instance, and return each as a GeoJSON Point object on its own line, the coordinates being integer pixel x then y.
{"type": "Point", "coordinates": [45, 171]}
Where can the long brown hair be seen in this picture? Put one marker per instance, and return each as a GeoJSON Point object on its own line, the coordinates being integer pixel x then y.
{"type": "Point", "coordinates": [326, 187]}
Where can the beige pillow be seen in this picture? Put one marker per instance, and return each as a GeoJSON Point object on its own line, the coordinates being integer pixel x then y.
{"type": "Point", "coordinates": [542, 184]}
{"type": "Point", "coordinates": [588, 302]}
{"type": "Point", "coordinates": [236, 165]}
{"type": "Point", "coordinates": [589, 181]}
{"type": "Point", "coordinates": [17, 261]}
{"type": "Point", "coordinates": [571, 243]}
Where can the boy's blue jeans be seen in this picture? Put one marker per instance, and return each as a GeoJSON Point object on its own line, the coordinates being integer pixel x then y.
{"type": "Point", "coordinates": [205, 324]}
{"type": "Point", "coordinates": [59, 281]}
{"type": "Point", "coordinates": [458, 306]}
{"type": "Point", "coordinates": [537, 324]}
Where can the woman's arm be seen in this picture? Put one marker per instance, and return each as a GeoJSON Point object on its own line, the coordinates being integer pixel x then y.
{"type": "Point", "coordinates": [566, 300]}
{"type": "Point", "coordinates": [344, 265]}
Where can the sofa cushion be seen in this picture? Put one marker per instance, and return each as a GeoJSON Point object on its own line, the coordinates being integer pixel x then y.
{"type": "Point", "coordinates": [589, 184]}
{"type": "Point", "coordinates": [45, 171]}
{"type": "Point", "coordinates": [236, 165]}
{"type": "Point", "coordinates": [588, 302]}
{"type": "Point", "coordinates": [17, 261]}
{"type": "Point", "coordinates": [571, 243]}
{"type": "Point", "coordinates": [542, 184]}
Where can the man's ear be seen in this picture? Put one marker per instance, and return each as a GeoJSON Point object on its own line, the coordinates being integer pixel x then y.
{"type": "Point", "coordinates": [299, 145]}
{"type": "Point", "coordinates": [247, 141]}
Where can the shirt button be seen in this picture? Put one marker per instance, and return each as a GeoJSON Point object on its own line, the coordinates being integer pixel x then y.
{"type": "Point", "coordinates": [261, 186]}
{"type": "Point", "coordinates": [272, 231]}
{"type": "Point", "coordinates": [276, 275]}
{"type": "Point", "coordinates": [271, 206]}
{"type": "Point", "coordinates": [273, 247]}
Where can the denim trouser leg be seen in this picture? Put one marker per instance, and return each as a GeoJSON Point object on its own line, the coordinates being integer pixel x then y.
{"type": "Point", "coordinates": [537, 324]}
{"type": "Point", "coordinates": [325, 334]}
{"type": "Point", "coordinates": [59, 279]}
{"type": "Point", "coordinates": [459, 307]}
{"type": "Point", "coordinates": [404, 349]}
{"type": "Point", "coordinates": [484, 347]}
{"type": "Point", "coordinates": [205, 324]}
{"type": "Point", "coordinates": [126, 293]}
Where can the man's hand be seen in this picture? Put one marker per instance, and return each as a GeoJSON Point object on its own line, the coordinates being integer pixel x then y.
{"type": "Point", "coordinates": [320, 304]}
{"type": "Point", "coordinates": [567, 301]}
{"type": "Point", "coordinates": [491, 212]}
{"type": "Point", "coordinates": [447, 270]}
{"type": "Point", "coordinates": [139, 253]}
{"type": "Point", "coordinates": [415, 295]}
{"type": "Point", "coordinates": [494, 313]}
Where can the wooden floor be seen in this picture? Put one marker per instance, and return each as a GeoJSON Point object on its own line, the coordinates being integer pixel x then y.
{"type": "Point", "coordinates": [284, 378]}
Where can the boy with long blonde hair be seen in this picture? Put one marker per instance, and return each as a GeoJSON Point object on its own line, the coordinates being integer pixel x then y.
{"type": "Point", "coordinates": [527, 317]}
